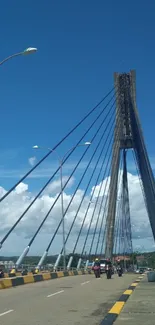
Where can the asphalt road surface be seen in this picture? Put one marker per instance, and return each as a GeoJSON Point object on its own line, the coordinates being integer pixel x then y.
{"type": "Point", "coordinates": [64, 301]}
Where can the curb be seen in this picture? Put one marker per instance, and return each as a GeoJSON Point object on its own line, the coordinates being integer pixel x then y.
{"type": "Point", "coordinates": [6, 283]}
{"type": "Point", "coordinates": [114, 312]}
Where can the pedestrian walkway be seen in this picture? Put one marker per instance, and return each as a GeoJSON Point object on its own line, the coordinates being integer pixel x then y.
{"type": "Point", "coordinates": [140, 308]}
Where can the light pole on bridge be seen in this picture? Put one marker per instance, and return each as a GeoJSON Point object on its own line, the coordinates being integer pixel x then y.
{"type": "Point", "coordinates": [61, 160]}
{"type": "Point", "coordinates": [27, 51]}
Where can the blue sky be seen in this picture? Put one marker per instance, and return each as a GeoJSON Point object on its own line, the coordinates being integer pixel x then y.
{"type": "Point", "coordinates": [80, 45]}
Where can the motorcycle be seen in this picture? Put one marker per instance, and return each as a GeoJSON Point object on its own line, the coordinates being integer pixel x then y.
{"type": "Point", "coordinates": [108, 273]}
{"type": "Point", "coordinates": [119, 272]}
{"type": "Point", "coordinates": [97, 271]}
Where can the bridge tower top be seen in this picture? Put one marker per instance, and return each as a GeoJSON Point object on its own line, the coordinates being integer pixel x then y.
{"type": "Point", "coordinates": [125, 100]}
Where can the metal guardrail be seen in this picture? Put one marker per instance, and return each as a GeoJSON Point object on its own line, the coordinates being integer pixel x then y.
{"type": "Point", "coordinates": [29, 268]}
{"type": "Point", "coordinates": [47, 269]}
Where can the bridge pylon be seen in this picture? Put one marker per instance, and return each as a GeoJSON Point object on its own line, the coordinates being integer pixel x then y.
{"type": "Point", "coordinates": [128, 135]}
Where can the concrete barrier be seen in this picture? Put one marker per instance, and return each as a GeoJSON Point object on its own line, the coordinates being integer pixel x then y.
{"type": "Point", "coordinates": [28, 279]}
{"type": "Point", "coordinates": [151, 276]}
{"type": "Point", "coordinates": [21, 280]}
{"type": "Point", "coordinates": [5, 283]}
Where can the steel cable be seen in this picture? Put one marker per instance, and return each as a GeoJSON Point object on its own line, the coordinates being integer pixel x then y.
{"type": "Point", "coordinates": [56, 146]}
{"type": "Point", "coordinates": [85, 216]}
{"type": "Point", "coordinates": [93, 211]}
{"type": "Point", "coordinates": [33, 201]}
{"type": "Point", "coordinates": [76, 190]}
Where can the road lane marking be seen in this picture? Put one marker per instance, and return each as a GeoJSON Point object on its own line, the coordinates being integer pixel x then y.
{"type": "Point", "coordinates": [55, 293]}
{"type": "Point", "coordinates": [84, 283]}
{"type": "Point", "coordinates": [6, 312]}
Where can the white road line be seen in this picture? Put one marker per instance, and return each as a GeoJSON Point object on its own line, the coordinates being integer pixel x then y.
{"type": "Point", "coordinates": [84, 283]}
{"type": "Point", "coordinates": [6, 312]}
{"type": "Point", "coordinates": [55, 293]}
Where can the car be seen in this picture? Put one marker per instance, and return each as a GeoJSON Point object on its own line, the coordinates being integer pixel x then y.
{"type": "Point", "coordinates": [141, 271]}
{"type": "Point", "coordinates": [103, 265]}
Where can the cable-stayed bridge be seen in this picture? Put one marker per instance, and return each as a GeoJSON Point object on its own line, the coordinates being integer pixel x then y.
{"type": "Point", "coordinates": [100, 226]}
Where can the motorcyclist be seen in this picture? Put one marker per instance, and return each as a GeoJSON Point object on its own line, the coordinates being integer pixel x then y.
{"type": "Point", "coordinates": [97, 262]}
{"type": "Point", "coordinates": [96, 267]}
{"type": "Point", "coordinates": [119, 270]}
{"type": "Point", "coordinates": [109, 269]}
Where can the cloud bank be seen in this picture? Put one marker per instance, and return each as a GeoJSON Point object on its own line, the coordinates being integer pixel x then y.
{"type": "Point", "coordinates": [15, 204]}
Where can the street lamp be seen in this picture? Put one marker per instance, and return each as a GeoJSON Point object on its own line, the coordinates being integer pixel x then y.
{"type": "Point", "coordinates": [61, 160]}
{"type": "Point", "coordinates": [27, 51]}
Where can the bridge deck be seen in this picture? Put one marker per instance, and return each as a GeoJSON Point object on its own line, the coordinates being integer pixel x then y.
{"type": "Point", "coordinates": [71, 300]}
{"type": "Point", "coordinates": [140, 308]}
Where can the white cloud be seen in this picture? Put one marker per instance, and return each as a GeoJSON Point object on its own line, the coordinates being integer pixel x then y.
{"type": "Point", "coordinates": [21, 188]}
{"type": "Point", "coordinates": [54, 187]}
{"type": "Point", "coordinates": [14, 205]}
{"type": "Point", "coordinates": [32, 161]}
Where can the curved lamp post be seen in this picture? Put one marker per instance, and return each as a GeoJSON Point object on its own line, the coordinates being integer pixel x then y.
{"type": "Point", "coordinates": [27, 51]}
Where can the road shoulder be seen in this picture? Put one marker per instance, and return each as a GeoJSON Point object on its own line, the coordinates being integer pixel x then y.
{"type": "Point", "coordinates": [120, 304]}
